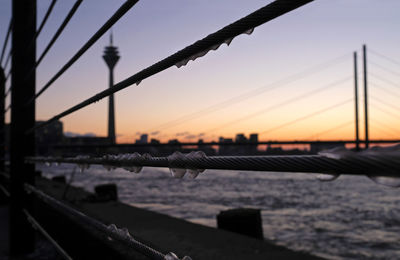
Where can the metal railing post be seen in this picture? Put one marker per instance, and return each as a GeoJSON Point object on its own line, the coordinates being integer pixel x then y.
{"type": "Point", "coordinates": [22, 119]}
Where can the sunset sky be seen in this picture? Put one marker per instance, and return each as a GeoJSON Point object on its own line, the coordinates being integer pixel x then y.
{"type": "Point", "coordinates": [291, 67]}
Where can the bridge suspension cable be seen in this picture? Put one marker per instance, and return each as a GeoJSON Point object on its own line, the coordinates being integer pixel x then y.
{"type": "Point", "coordinates": [249, 94]}
{"type": "Point", "coordinates": [307, 116]}
{"type": "Point", "coordinates": [386, 103]}
{"type": "Point", "coordinates": [385, 130]}
{"type": "Point", "coordinates": [383, 79]}
{"type": "Point", "coordinates": [387, 126]}
{"type": "Point", "coordinates": [384, 89]}
{"type": "Point", "coordinates": [384, 68]}
{"type": "Point", "coordinates": [198, 49]}
{"type": "Point", "coordinates": [281, 104]}
{"type": "Point", "coordinates": [337, 127]}
{"type": "Point", "coordinates": [384, 56]}
{"type": "Point", "coordinates": [385, 111]}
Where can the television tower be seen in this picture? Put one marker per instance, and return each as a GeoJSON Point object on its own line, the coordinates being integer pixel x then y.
{"type": "Point", "coordinates": [111, 58]}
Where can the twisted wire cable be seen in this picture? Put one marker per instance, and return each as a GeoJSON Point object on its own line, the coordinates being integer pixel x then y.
{"type": "Point", "coordinates": [59, 31]}
{"type": "Point", "coordinates": [380, 164]}
{"type": "Point", "coordinates": [110, 22]}
{"type": "Point", "coordinates": [36, 225]}
{"type": "Point", "coordinates": [4, 190]}
{"type": "Point", "coordinates": [6, 40]}
{"type": "Point", "coordinates": [53, 40]}
{"type": "Point", "coordinates": [7, 108]}
{"type": "Point", "coordinates": [198, 49]}
{"type": "Point", "coordinates": [8, 59]}
{"type": "Point", "coordinates": [108, 231]}
{"type": "Point", "coordinates": [46, 16]}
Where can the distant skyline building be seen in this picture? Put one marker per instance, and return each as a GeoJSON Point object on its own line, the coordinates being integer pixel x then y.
{"type": "Point", "coordinates": [144, 138]}
{"type": "Point", "coordinates": [111, 58]}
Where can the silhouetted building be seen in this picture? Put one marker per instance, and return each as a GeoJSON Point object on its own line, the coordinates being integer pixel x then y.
{"type": "Point", "coordinates": [154, 141]}
{"type": "Point", "coordinates": [240, 138]}
{"type": "Point", "coordinates": [226, 147]}
{"type": "Point", "coordinates": [111, 58]}
{"type": "Point", "coordinates": [253, 138]}
{"type": "Point", "coordinates": [143, 139]}
{"type": "Point", "coordinates": [253, 147]}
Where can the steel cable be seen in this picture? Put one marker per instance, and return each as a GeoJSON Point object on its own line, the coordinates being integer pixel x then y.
{"type": "Point", "coordinates": [356, 164]}
{"type": "Point", "coordinates": [35, 224]}
{"type": "Point", "coordinates": [59, 31]}
{"type": "Point", "coordinates": [82, 218]}
{"type": "Point", "coordinates": [261, 16]}
{"type": "Point", "coordinates": [46, 16]}
{"type": "Point", "coordinates": [6, 40]}
{"type": "Point", "coordinates": [110, 22]}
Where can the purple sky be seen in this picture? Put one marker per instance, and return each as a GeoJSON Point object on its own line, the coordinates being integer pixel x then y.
{"type": "Point", "coordinates": [152, 30]}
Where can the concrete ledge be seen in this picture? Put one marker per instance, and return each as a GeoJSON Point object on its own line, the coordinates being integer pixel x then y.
{"type": "Point", "coordinates": [169, 234]}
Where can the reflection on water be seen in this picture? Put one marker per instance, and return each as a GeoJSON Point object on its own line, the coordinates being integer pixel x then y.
{"type": "Point", "coordinates": [349, 218]}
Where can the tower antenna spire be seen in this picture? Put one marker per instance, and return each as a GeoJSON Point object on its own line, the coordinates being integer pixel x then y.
{"type": "Point", "coordinates": [111, 38]}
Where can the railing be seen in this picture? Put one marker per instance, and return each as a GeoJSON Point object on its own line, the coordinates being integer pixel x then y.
{"type": "Point", "coordinates": [22, 156]}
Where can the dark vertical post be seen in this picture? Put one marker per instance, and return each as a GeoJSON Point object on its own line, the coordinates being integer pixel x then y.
{"type": "Point", "coordinates": [356, 100]}
{"type": "Point", "coordinates": [22, 119]}
{"type": "Point", "coordinates": [365, 96]}
{"type": "Point", "coordinates": [2, 118]}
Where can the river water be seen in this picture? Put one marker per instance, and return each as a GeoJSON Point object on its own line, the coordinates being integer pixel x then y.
{"type": "Point", "coordinates": [349, 218]}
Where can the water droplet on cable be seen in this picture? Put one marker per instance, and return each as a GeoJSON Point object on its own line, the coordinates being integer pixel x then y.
{"type": "Point", "coordinates": [147, 156]}
{"type": "Point", "coordinates": [177, 172]}
{"type": "Point", "coordinates": [138, 82]}
{"type": "Point", "coordinates": [228, 41]}
{"type": "Point", "coordinates": [387, 181]}
{"type": "Point", "coordinates": [337, 153]}
{"type": "Point", "coordinates": [171, 256]}
{"type": "Point", "coordinates": [112, 227]}
{"type": "Point", "coordinates": [327, 177]}
{"type": "Point", "coordinates": [193, 173]}
{"type": "Point", "coordinates": [249, 31]}
{"type": "Point", "coordinates": [135, 169]}
{"type": "Point", "coordinates": [108, 167]}
{"type": "Point", "coordinates": [125, 233]}
{"type": "Point", "coordinates": [82, 167]}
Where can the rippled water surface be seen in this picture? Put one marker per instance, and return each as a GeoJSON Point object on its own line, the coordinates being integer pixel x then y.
{"type": "Point", "coordinates": [349, 218]}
